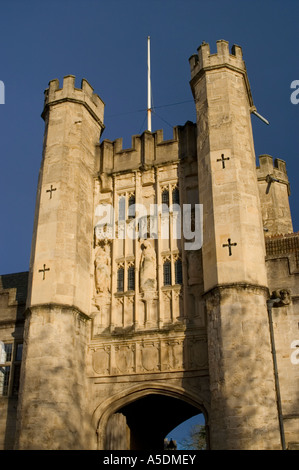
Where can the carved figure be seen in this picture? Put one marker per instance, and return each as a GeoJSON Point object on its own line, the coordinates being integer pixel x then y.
{"type": "Point", "coordinates": [285, 297]}
{"type": "Point", "coordinates": [148, 267]}
{"type": "Point", "coordinates": [103, 269]}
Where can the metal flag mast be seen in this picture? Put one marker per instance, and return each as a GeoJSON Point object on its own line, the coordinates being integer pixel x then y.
{"type": "Point", "coordinates": [149, 105]}
{"type": "Point", "coordinates": [254, 111]}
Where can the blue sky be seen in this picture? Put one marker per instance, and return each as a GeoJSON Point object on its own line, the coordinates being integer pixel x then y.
{"type": "Point", "coordinates": [181, 432]}
{"type": "Point", "coordinates": [106, 43]}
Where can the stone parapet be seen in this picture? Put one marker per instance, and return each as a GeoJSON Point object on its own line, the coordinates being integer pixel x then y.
{"type": "Point", "coordinates": [69, 92]}
{"type": "Point", "coordinates": [13, 292]}
{"type": "Point", "coordinates": [204, 61]}
{"type": "Point", "coordinates": [148, 149]}
{"type": "Point", "coordinates": [283, 245]}
{"type": "Point", "coordinates": [274, 191]}
{"type": "Point", "coordinates": [272, 169]}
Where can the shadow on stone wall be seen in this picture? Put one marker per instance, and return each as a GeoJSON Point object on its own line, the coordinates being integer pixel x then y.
{"type": "Point", "coordinates": [13, 291]}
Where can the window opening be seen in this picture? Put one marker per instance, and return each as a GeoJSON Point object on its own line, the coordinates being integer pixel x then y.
{"type": "Point", "coordinates": [121, 208]}
{"type": "Point", "coordinates": [120, 280]}
{"type": "Point", "coordinates": [131, 208]}
{"type": "Point", "coordinates": [131, 278]}
{"type": "Point", "coordinates": [10, 367]}
{"type": "Point", "coordinates": [167, 273]}
{"type": "Point", "coordinates": [175, 196]}
{"type": "Point", "coordinates": [178, 271]}
{"type": "Point", "coordinates": [165, 200]}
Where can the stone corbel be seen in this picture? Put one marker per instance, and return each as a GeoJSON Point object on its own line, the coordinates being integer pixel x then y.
{"type": "Point", "coordinates": [283, 297]}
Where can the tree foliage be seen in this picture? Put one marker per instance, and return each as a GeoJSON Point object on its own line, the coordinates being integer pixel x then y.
{"type": "Point", "coordinates": [196, 439]}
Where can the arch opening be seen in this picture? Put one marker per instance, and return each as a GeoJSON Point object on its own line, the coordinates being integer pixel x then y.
{"type": "Point", "coordinates": [144, 423]}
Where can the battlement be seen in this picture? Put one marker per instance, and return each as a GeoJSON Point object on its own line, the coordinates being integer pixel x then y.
{"type": "Point", "coordinates": [13, 292]}
{"type": "Point", "coordinates": [145, 149]}
{"type": "Point", "coordinates": [84, 95]}
{"type": "Point", "coordinates": [148, 149]}
{"type": "Point", "coordinates": [276, 170]}
{"type": "Point", "coordinates": [283, 244]}
{"type": "Point", "coordinates": [15, 286]}
{"type": "Point", "coordinates": [204, 59]}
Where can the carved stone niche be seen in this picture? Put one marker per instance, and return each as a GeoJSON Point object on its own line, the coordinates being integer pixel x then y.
{"type": "Point", "coordinates": [197, 353]}
{"type": "Point", "coordinates": [194, 267]}
{"type": "Point", "coordinates": [101, 360]}
{"type": "Point", "coordinates": [150, 311]}
{"type": "Point", "coordinates": [102, 286]}
{"type": "Point", "coordinates": [148, 267]}
{"type": "Point", "coordinates": [172, 354]}
{"type": "Point", "coordinates": [147, 178]}
{"type": "Point", "coordinates": [167, 305]}
{"type": "Point", "coordinates": [102, 233]}
{"type": "Point", "coordinates": [101, 318]}
{"type": "Point", "coordinates": [102, 265]}
{"type": "Point", "coordinates": [125, 358]}
{"type": "Point", "coordinates": [106, 183]}
{"type": "Point", "coordinates": [150, 360]}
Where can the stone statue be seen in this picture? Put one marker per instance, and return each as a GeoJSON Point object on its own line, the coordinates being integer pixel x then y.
{"type": "Point", "coordinates": [103, 269]}
{"type": "Point", "coordinates": [148, 270]}
{"type": "Point", "coordinates": [285, 296]}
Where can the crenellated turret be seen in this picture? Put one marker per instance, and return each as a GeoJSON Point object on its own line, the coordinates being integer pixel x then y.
{"type": "Point", "coordinates": [274, 190]}
{"type": "Point", "coordinates": [205, 61]}
{"type": "Point", "coordinates": [204, 58]}
{"type": "Point", "coordinates": [84, 95]}
{"type": "Point", "coordinates": [227, 169]}
{"type": "Point", "coordinates": [63, 222]}
{"type": "Point", "coordinates": [58, 302]}
{"type": "Point", "coordinates": [233, 253]}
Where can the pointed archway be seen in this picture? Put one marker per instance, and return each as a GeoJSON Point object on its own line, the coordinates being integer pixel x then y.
{"type": "Point", "coordinates": [141, 418]}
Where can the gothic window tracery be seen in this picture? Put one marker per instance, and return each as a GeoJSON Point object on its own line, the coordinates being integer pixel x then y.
{"type": "Point", "coordinates": [165, 200]}
{"type": "Point", "coordinates": [178, 271]}
{"type": "Point", "coordinates": [120, 279]}
{"type": "Point", "coordinates": [175, 195]}
{"type": "Point", "coordinates": [131, 277]}
{"type": "Point", "coordinates": [167, 273]}
{"type": "Point", "coordinates": [131, 206]}
{"type": "Point", "coordinates": [10, 364]}
{"type": "Point", "coordinates": [121, 208]}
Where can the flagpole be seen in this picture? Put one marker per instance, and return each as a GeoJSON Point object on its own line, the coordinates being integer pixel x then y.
{"type": "Point", "coordinates": [149, 105]}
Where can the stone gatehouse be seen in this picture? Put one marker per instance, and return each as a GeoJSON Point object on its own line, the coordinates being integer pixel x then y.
{"type": "Point", "coordinates": [162, 277]}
